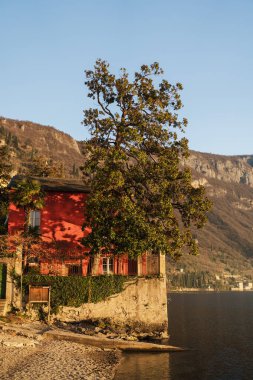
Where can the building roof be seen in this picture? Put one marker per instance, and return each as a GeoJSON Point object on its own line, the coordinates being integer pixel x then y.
{"type": "Point", "coordinates": [55, 184]}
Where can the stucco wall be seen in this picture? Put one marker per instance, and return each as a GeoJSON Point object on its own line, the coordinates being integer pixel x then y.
{"type": "Point", "coordinates": [143, 303]}
{"type": "Point", "coordinates": [62, 218]}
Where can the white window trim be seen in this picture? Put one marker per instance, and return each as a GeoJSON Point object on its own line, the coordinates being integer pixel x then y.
{"type": "Point", "coordinates": [35, 219]}
{"type": "Point", "coordinates": [108, 259]}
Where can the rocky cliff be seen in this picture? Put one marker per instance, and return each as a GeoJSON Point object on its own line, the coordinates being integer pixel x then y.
{"type": "Point", "coordinates": [231, 169]}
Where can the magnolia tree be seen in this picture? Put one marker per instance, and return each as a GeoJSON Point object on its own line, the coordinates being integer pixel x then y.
{"type": "Point", "coordinates": [141, 196]}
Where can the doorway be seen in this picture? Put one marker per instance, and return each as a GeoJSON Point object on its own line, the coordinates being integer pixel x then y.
{"type": "Point", "coordinates": [3, 277]}
{"type": "Point", "coordinates": [132, 267]}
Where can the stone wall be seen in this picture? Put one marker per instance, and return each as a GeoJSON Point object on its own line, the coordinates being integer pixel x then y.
{"type": "Point", "coordinates": [13, 295]}
{"type": "Point", "coordinates": [142, 304]}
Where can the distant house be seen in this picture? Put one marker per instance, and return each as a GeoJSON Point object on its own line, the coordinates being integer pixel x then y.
{"type": "Point", "coordinates": [60, 227]}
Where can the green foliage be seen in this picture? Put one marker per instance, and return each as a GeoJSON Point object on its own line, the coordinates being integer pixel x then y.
{"type": "Point", "coordinates": [76, 290]}
{"type": "Point", "coordinates": [75, 170]}
{"type": "Point", "coordinates": [10, 139]}
{"type": "Point", "coordinates": [191, 280]}
{"type": "Point", "coordinates": [41, 166]}
{"type": "Point", "coordinates": [28, 194]}
{"type": "Point", "coordinates": [5, 170]}
{"type": "Point", "coordinates": [4, 202]}
{"type": "Point", "coordinates": [5, 165]}
{"type": "Point", "coordinates": [141, 196]}
{"type": "Point", "coordinates": [198, 280]}
{"type": "Point", "coordinates": [4, 248]}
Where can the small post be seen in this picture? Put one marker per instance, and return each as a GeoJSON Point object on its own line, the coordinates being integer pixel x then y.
{"type": "Point", "coordinates": [21, 282]}
{"type": "Point", "coordinates": [21, 290]}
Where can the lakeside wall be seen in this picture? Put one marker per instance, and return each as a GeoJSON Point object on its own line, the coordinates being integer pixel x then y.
{"type": "Point", "coordinates": [142, 304]}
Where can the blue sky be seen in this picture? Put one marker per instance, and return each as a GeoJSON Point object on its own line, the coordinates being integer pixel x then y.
{"type": "Point", "coordinates": [205, 44]}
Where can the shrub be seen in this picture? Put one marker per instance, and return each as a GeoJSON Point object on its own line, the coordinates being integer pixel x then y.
{"type": "Point", "coordinates": [76, 290]}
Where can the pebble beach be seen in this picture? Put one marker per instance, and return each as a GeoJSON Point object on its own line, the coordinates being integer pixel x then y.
{"type": "Point", "coordinates": [23, 358]}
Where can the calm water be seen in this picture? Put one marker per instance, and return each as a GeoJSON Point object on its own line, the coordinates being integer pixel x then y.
{"type": "Point", "coordinates": [218, 327]}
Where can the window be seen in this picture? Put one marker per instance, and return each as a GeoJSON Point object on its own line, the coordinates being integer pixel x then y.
{"type": "Point", "coordinates": [74, 270]}
{"type": "Point", "coordinates": [107, 265]}
{"type": "Point", "coordinates": [35, 219]}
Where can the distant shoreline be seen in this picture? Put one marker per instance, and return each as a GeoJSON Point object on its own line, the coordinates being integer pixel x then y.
{"type": "Point", "coordinates": [198, 290]}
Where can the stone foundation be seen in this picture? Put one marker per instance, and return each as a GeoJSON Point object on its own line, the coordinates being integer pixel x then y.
{"type": "Point", "coordinates": [142, 304]}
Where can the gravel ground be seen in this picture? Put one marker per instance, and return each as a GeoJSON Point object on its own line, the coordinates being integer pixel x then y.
{"type": "Point", "coordinates": [54, 360]}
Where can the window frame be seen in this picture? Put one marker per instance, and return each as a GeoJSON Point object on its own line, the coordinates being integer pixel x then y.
{"type": "Point", "coordinates": [74, 269]}
{"type": "Point", "coordinates": [35, 219]}
{"type": "Point", "coordinates": [108, 265]}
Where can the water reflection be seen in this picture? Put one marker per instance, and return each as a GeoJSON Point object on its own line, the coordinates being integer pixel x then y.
{"type": "Point", "coordinates": [219, 329]}
{"type": "Point", "coordinates": [144, 366]}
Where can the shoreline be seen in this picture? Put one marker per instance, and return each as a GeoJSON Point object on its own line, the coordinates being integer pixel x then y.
{"type": "Point", "coordinates": [196, 290]}
{"type": "Point", "coordinates": [35, 350]}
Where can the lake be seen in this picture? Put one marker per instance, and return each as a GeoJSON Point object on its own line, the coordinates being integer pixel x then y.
{"type": "Point", "coordinates": [218, 329]}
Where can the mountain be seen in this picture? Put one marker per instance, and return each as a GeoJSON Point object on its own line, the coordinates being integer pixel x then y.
{"type": "Point", "coordinates": [27, 140]}
{"type": "Point", "coordinates": [226, 242]}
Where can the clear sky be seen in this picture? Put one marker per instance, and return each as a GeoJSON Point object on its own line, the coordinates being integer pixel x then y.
{"type": "Point", "coordinates": [205, 44]}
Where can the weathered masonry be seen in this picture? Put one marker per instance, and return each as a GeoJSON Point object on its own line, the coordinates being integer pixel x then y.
{"type": "Point", "coordinates": [142, 304]}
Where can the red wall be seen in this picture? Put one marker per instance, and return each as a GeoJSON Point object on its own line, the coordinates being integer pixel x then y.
{"type": "Point", "coordinates": [62, 218]}
{"type": "Point", "coordinates": [55, 266]}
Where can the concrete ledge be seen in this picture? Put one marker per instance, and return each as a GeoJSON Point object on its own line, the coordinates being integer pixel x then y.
{"type": "Point", "coordinates": [110, 343]}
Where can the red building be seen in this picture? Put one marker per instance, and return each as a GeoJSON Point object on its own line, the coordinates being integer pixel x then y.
{"type": "Point", "coordinates": [59, 223]}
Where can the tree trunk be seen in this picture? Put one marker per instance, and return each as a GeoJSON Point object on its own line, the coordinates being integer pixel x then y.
{"type": "Point", "coordinates": [95, 264]}
{"type": "Point", "coordinates": [27, 221]}
{"type": "Point", "coordinates": [26, 233]}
